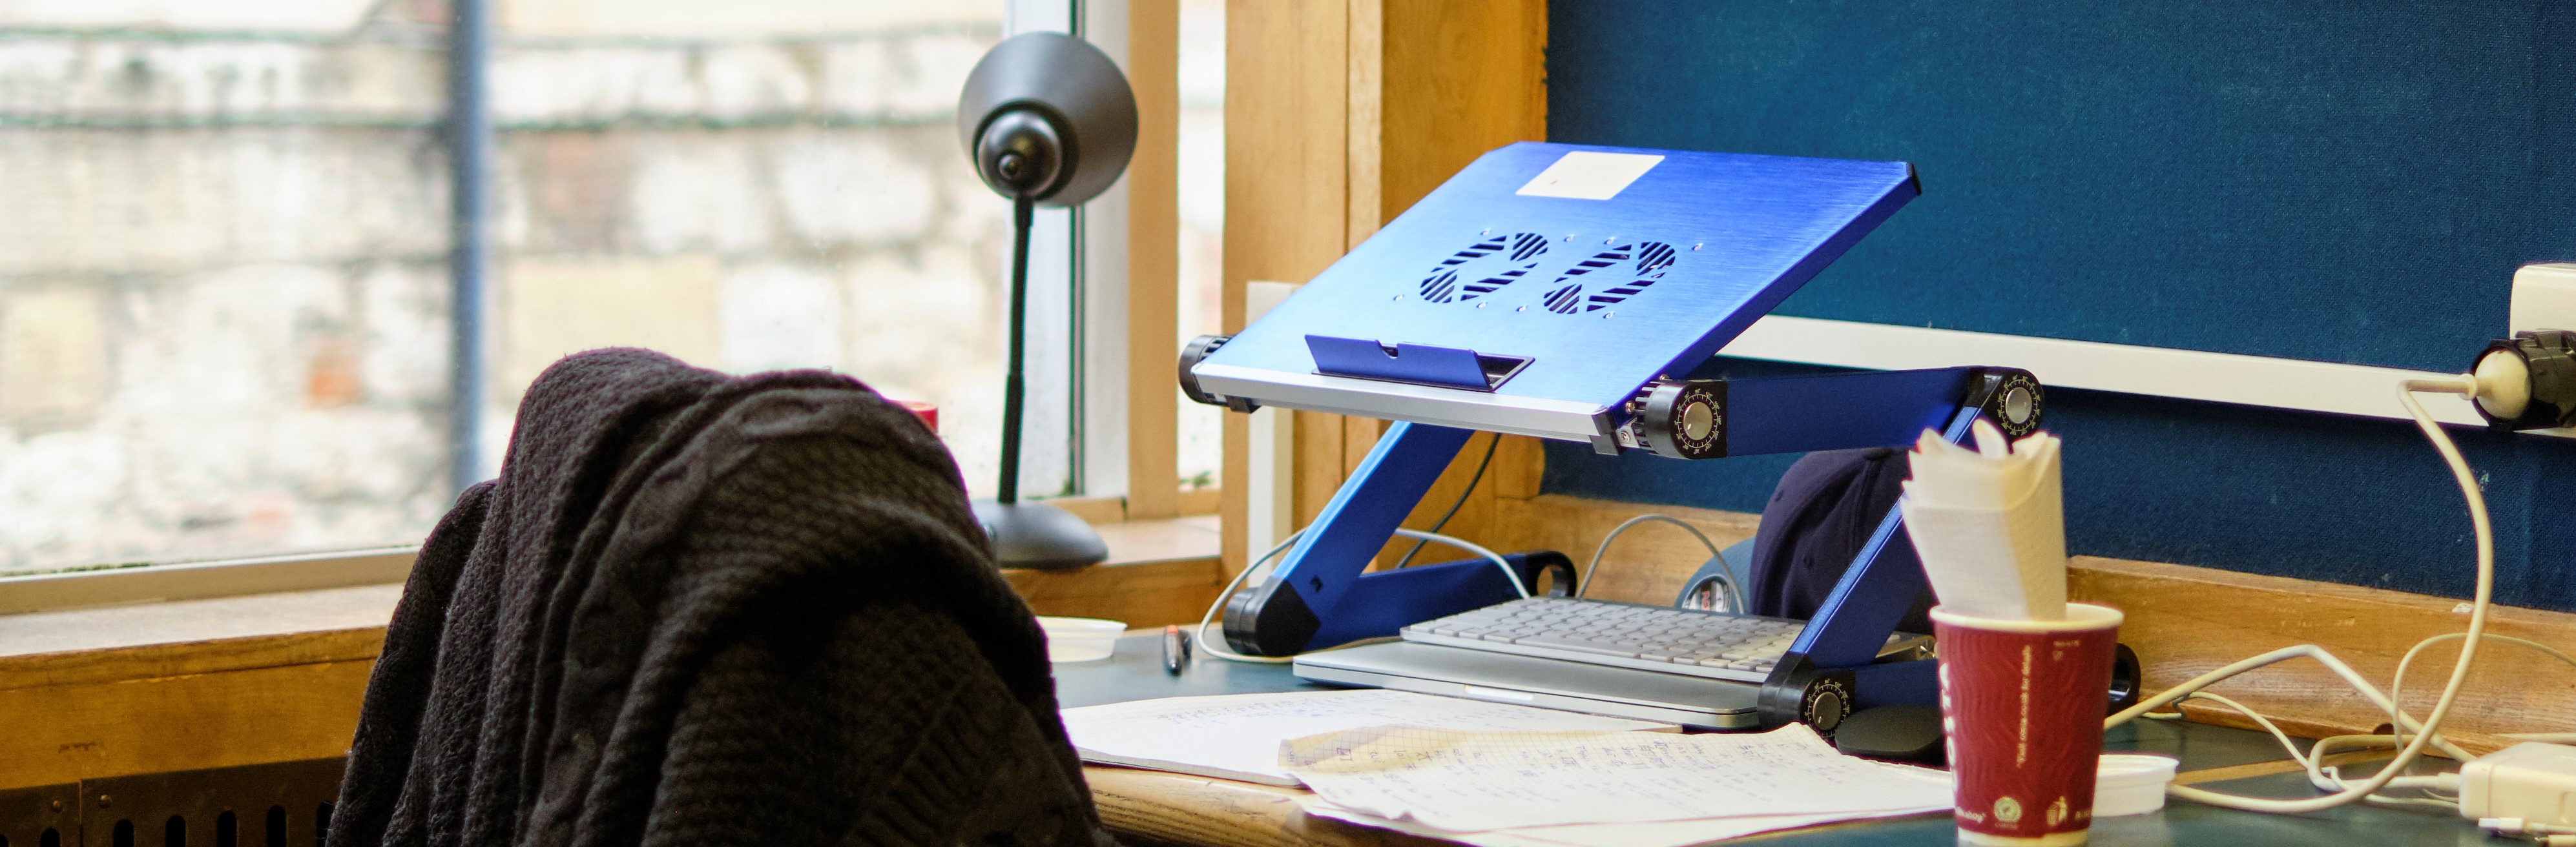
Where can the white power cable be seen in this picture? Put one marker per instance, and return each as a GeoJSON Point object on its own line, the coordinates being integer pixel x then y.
{"type": "Point", "coordinates": [1213, 646]}
{"type": "Point", "coordinates": [2427, 732]}
{"type": "Point", "coordinates": [2398, 682]}
{"type": "Point", "coordinates": [2430, 729]}
{"type": "Point", "coordinates": [2325, 778]}
{"type": "Point", "coordinates": [2305, 762]}
{"type": "Point", "coordinates": [1726, 569]}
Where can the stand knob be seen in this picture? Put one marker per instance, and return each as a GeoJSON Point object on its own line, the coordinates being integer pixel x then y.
{"type": "Point", "coordinates": [1683, 419]}
{"type": "Point", "coordinates": [2013, 400]}
{"type": "Point", "coordinates": [1199, 349]}
{"type": "Point", "coordinates": [1800, 692]}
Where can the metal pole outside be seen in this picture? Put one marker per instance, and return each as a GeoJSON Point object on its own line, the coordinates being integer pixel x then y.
{"type": "Point", "coordinates": [468, 131]}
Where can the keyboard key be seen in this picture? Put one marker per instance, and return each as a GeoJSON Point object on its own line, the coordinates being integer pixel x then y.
{"type": "Point", "coordinates": [1576, 645]}
{"type": "Point", "coordinates": [1705, 643]}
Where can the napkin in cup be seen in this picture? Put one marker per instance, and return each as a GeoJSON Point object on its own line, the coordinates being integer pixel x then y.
{"type": "Point", "coordinates": [1990, 524]}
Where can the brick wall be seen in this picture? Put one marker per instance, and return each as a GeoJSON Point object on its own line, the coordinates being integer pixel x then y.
{"type": "Point", "coordinates": [223, 297]}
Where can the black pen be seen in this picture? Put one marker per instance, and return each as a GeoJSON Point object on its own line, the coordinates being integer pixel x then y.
{"type": "Point", "coordinates": [1176, 649]}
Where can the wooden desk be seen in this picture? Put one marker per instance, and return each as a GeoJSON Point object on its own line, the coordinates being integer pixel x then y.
{"type": "Point", "coordinates": [1152, 807]}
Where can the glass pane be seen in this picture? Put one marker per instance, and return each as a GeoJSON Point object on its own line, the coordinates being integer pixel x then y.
{"type": "Point", "coordinates": [1202, 187]}
{"type": "Point", "coordinates": [223, 285]}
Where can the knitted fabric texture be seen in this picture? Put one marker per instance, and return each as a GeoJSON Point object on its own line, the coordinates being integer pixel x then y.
{"type": "Point", "coordinates": [700, 609]}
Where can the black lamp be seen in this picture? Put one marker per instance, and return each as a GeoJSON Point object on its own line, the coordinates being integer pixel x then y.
{"type": "Point", "coordinates": [1048, 121]}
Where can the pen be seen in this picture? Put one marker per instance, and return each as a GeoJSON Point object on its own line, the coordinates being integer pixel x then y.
{"type": "Point", "coordinates": [1176, 650]}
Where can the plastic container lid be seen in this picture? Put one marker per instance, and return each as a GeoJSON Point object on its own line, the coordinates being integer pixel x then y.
{"type": "Point", "coordinates": [1080, 639]}
{"type": "Point", "coordinates": [2130, 784]}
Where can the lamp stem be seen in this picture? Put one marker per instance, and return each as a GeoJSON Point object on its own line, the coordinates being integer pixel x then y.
{"type": "Point", "coordinates": [1022, 210]}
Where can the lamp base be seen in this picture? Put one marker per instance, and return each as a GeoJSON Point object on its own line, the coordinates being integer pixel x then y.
{"type": "Point", "coordinates": [1034, 535]}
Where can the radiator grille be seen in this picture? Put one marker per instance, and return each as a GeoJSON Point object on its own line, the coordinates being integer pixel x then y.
{"type": "Point", "coordinates": [287, 804]}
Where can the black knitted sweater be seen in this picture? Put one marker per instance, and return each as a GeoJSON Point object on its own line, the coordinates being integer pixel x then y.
{"type": "Point", "coordinates": [698, 609]}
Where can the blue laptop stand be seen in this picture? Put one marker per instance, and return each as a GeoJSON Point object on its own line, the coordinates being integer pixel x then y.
{"type": "Point", "coordinates": [1555, 290]}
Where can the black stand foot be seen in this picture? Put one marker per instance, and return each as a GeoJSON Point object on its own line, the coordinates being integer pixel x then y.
{"type": "Point", "coordinates": [1029, 534]}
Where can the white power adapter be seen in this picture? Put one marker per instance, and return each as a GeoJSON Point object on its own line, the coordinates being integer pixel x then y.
{"type": "Point", "coordinates": [2528, 787]}
{"type": "Point", "coordinates": [2544, 297]}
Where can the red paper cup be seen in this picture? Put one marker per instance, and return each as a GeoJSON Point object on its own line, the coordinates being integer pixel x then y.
{"type": "Point", "coordinates": [2021, 709]}
{"type": "Point", "coordinates": [928, 414]}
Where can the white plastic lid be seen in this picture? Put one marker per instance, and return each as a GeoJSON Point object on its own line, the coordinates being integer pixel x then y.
{"type": "Point", "coordinates": [1080, 639]}
{"type": "Point", "coordinates": [2130, 784]}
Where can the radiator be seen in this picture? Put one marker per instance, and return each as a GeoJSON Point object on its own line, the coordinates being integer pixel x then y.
{"type": "Point", "coordinates": [287, 804]}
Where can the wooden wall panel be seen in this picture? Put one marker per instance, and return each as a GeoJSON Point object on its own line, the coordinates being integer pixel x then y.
{"type": "Point", "coordinates": [1140, 595]}
{"type": "Point", "coordinates": [1153, 261]}
{"type": "Point", "coordinates": [1287, 155]}
{"type": "Point", "coordinates": [1518, 468]}
{"type": "Point", "coordinates": [1319, 463]}
{"type": "Point", "coordinates": [1423, 87]}
{"type": "Point", "coordinates": [1462, 77]}
{"type": "Point", "coordinates": [1365, 121]}
{"type": "Point", "coordinates": [64, 733]}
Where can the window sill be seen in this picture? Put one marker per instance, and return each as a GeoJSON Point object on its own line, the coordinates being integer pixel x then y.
{"type": "Point", "coordinates": [1156, 570]}
{"type": "Point", "coordinates": [1159, 572]}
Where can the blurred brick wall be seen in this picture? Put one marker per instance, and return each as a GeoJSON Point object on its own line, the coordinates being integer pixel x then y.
{"type": "Point", "coordinates": [223, 298]}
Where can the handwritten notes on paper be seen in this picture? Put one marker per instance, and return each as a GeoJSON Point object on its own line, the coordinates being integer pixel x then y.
{"type": "Point", "coordinates": [1238, 736]}
{"type": "Point", "coordinates": [1502, 775]}
{"type": "Point", "coordinates": [1468, 781]}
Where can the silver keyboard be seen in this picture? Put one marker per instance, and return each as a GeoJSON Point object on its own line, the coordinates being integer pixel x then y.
{"type": "Point", "coordinates": [1683, 641]}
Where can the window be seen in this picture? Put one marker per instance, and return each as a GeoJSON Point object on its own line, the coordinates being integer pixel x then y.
{"type": "Point", "coordinates": [224, 294]}
{"type": "Point", "coordinates": [1202, 206]}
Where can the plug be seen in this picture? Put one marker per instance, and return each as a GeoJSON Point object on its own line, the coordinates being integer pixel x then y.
{"type": "Point", "coordinates": [2532, 783]}
{"type": "Point", "coordinates": [2528, 381]}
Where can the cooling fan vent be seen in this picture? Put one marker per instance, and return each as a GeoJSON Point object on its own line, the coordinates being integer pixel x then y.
{"type": "Point", "coordinates": [1490, 264]}
{"type": "Point", "coordinates": [1646, 263]}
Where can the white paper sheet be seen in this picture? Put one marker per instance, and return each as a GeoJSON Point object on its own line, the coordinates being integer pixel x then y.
{"type": "Point", "coordinates": [1473, 782]}
{"type": "Point", "coordinates": [1654, 834]}
{"type": "Point", "coordinates": [1990, 524]}
{"type": "Point", "coordinates": [1237, 736]}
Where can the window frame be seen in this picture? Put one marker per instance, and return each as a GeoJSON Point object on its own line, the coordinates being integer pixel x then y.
{"type": "Point", "coordinates": [1120, 319]}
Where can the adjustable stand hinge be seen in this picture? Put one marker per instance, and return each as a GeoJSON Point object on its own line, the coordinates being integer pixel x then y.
{"type": "Point", "coordinates": [1677, 419]}
{"type": "Point", "coordinates": [1198, 350]}
{"type": "Point", "coordinates": [1800, 692]}
{"type": "Point", "coordinates": [2011, 398]}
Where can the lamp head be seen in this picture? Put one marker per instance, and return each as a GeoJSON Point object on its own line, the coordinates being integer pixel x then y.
{"type": "Point", "coordinates": [1048, 118]}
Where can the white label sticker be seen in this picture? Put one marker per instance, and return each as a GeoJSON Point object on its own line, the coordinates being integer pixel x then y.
{"type": "Point", "coordinates": [1587, 175]}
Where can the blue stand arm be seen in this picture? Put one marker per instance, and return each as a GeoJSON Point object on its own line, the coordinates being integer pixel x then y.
{"type": "Point", "coordinates": [1303, 598]}
{"type": "Point", "coordinates": [1320, 595]}
{"type": "Point", "coordinates": [1833, 665]}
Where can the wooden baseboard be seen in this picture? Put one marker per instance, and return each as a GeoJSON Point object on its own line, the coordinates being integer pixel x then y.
{"type": "Point", "coordinates": [2186, 621]}
{"type": "Point", "coordinates": [1649, 562]}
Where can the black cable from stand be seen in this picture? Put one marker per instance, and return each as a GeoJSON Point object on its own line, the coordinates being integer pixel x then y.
{"type": "Point", "coordinates": [1453, 507]}
{"type": "Point", "coordinates": [1022, 210]}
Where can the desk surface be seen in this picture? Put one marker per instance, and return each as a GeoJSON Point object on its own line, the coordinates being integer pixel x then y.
{"type": "Point", "coordinates": [1174, 808]}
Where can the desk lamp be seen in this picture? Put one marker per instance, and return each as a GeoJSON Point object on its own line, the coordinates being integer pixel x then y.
{"type": "Point", "coordinates": [1048, 121]}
